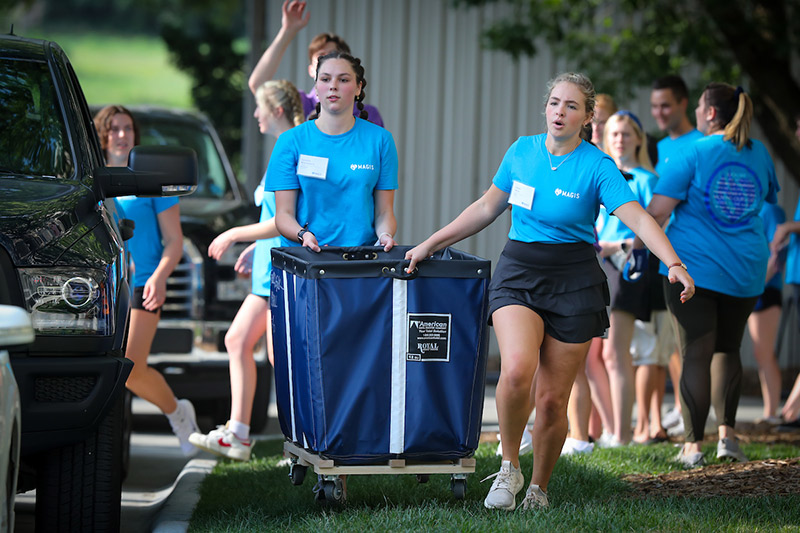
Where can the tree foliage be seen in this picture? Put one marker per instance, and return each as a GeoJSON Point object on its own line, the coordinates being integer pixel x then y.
{"type": "Point", "coordinates": [201, 37]}
{"type": "Point", "coordinates": [625, 44]}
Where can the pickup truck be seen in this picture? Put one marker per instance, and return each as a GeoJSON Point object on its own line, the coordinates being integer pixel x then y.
{"type": "Point", "coordinates": [63, 259]}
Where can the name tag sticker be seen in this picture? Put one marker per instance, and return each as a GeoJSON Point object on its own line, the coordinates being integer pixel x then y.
{"type": "Point", "coordinates": [521, 195]}
{"type": "Point", "coordinates": [312, 166]}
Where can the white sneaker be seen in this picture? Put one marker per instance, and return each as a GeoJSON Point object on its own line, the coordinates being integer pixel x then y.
{"type": "Point", "coordinates": [608, 440]}
{"type": "Point", "coordinates": [508, 482]}
{"type": "Point", "coordinates": [535, 498]}
{"type": "Point", "coordinates": [677, 429]}
{"type": "Point", "coordinates": [526, 446]}
{"type": "Point", "coordinates": [573, 446]}
{"type": "Point", "coordinates": [672, 418]}
{"type": "Point", "coordinates": [223, 442]}
{"type": "Point", "coordinates": [184, 424]}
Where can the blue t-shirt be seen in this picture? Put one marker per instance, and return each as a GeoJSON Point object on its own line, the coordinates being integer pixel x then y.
{"type": "Point", "coordinates": [793, 254]}
{"type": "Point", "coordinates": [772, 215]}
{"type": "Point", "coordinates": [669, 148]}
{"type": "Point", "coordinates": [262, 257]}
{"type": "Point", "coordinates": [145, 246]}
{"type": "Point", "coordinates": [716, 230]}
{"type": "Point", "coordinates": [611, 228]}
{"type": "Point", "coordinates": [339, 205]}
{"type": "Point", "coordinates": [566, 201]}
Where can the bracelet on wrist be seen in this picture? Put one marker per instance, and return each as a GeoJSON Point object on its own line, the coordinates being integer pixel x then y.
{"type": "Point", "coordinates": [302, 233]}
{"type": "Point", "coordinates": [385, 233]}
{"type": "Point", "coordinates": [678, 265]}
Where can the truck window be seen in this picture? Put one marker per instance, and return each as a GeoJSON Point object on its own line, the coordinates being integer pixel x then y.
{"type": "Point", "coordinates": [34, 142]}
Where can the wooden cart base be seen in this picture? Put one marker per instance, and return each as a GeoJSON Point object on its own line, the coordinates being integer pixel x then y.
{"type": "Point", "coordinates": [332, 490]}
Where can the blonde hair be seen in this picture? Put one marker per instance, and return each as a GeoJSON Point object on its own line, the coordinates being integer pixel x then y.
{"type": "Point", "coordinates": [581, 81]}
{"type": "Point", "coordinates": [734, 112]}
{"type": "Point", "coordinates": [282, 94]}
{"type": "Point", "coordinates": [642, 156]}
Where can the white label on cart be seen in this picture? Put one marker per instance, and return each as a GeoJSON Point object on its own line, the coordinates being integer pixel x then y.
{"type": "Point", "coordinates": [428, 337]}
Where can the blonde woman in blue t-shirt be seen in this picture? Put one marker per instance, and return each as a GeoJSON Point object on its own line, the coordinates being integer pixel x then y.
{"type": "Point", "coordinates": [548, 295]}
{"type": "Point", "coordinates": [278, 109]}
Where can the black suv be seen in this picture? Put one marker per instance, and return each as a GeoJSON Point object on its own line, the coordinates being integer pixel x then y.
{"type": "Point", "coordinates": [203, 295]}
{"type": "Point", "coordinates": [62, 258]}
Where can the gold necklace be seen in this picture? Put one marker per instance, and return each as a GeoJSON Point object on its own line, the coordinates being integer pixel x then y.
{"type": "Point", "coordinates": [554, 168]}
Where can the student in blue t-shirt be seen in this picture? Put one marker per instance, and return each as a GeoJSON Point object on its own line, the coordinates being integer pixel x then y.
{"type": "Point", "coordinates": [669, 102]}
{"type": "Point", "coordinates": [334, 177]}
{"type": "Point", "coordinates": [626, 142]}
{"type": "Point", "coordinates": [763, 321]}
{"type": "Point", "coordinates": [548, 294]}
{"type": "Point", "coordinates": [716, 190]}
{"type": "Point", "coordinates": [278, 109]}
{"type": "Point", "coordinates": [295, 17]}
{"type": "Point", "coordinates": [786, 237]}
{"type": "Point", "coordinates": [156, 248]}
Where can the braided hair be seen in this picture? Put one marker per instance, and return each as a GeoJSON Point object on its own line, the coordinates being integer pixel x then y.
{"type": "Point", "coordinates": [358, 69]}
{"type": "Point", "coordinates": [282, 94]}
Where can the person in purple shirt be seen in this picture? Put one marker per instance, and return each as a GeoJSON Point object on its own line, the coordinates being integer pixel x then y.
{"type": "Point", "coordinates": [294, 18]}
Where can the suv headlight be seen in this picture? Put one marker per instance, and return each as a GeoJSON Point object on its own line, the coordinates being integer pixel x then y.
{"type": "Point", "coordinates": [67, 301]}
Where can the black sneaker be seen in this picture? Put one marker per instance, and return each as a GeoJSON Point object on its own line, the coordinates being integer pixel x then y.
{"type": "Point", "coordinates": [789, 427]}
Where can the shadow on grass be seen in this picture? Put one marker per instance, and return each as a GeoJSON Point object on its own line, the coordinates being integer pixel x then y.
{"type": "Point", "coordinates": [259, 496]}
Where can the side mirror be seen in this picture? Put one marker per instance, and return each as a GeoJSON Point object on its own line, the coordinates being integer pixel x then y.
{"type": "Point", "coordinates": [152, 171]}
{"type": "Point", "coordinates": [15, 327]}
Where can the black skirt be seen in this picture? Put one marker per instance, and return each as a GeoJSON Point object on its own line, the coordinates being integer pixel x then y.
{"type": "Point", "coordinates": [563, 283]}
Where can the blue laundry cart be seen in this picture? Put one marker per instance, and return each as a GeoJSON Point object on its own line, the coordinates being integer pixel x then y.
{"type": "Point", "coordinates": [377, 370]}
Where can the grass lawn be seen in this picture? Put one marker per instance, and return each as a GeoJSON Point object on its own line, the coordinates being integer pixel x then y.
{"type": "Point", "coordinates": [586, 494]}
{"type": "Point", "coordinates": [123, 69]}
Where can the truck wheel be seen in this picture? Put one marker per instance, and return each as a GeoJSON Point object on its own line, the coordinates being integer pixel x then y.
{"type": "Point", "coordinates": [79, 487]}
{"type": "Point", "coordinates": [127, 429]}
{"type": "Point", "coordinates": [260, 416]}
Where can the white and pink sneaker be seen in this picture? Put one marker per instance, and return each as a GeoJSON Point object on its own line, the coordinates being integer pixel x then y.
{"type": "Point", "coordinates": [223, 442]}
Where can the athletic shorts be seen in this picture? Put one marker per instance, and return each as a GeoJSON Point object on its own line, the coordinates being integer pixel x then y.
{"type": "Point", "coordinates": [562, 283]}
{"type": "Point", "coordinates": [771, 297]}
{"type": "Point", "coordinates": [137, 300]}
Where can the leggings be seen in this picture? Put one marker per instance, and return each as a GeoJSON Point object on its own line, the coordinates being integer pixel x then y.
{"type": "Point", "coordinates": [710, 328]}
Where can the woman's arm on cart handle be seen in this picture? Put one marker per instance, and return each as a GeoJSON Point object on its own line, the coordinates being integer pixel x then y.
{"type": "Point", "coordinates": [473, 219]}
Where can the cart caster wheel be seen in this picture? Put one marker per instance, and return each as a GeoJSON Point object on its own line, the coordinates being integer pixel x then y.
{"type": "Point", "coordinates": [297, 473]}
{"type": "Point", "coordinates": [334, 492]}
{"type": "Point", "coordinates": [423, 478]}
{"type": "Point", "coordinates": [459, 488]}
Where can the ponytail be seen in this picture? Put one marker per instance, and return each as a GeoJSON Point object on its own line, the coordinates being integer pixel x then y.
{"type": "Point", "coordinates": [738, 129]}
{"type": "Point", "coordinates": [734, 112]}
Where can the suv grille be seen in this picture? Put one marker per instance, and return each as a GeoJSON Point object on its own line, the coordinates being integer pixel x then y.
{"type": "Point", "coordinates": [61, 390]}
{"type": "Point", "coordinates": [185, 298]}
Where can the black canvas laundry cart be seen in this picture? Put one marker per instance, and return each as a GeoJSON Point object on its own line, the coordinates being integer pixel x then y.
{"type": "Point", "coordinates": [378, 371]}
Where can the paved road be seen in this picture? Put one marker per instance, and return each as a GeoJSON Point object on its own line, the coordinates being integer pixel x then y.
{"type": "Point", "coordinates": [156, 462]}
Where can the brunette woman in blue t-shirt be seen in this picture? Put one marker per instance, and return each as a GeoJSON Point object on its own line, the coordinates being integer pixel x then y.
{"type": "Point", "coordinates": [156, 248]}
{"type": "Point", "coordinates": [548, 295]}
{"type": "Point", "coordinates": [716, 189]}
